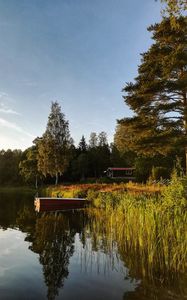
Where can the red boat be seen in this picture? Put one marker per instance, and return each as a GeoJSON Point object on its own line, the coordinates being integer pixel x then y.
{"type": "Point", "coordinates": [53, 204]}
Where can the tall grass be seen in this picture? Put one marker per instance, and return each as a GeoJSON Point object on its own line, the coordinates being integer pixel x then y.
{"type": "Point", "coordinates": [150, 227]}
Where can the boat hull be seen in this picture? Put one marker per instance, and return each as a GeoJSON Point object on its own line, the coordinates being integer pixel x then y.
{"type": "Point", "coordinates": [54, 204]}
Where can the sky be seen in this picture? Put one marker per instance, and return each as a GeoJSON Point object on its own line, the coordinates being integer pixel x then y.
{"type": "Point", "coordinates": [77, 52]}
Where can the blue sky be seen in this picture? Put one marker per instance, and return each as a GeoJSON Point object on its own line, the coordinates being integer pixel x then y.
{"type": "Point", "coordinates": [78, 52]}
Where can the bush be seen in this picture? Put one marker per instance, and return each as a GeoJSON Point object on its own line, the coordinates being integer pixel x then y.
{"type": "Point", "coordinates": [80, 193]}
{"type": "Point", "coordinates": [175, 195]}
{"type": "Point", "coordinates": [160, 172]}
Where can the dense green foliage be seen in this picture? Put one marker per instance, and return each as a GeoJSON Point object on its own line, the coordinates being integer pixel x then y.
{"type": "Point", "coordinates": [9, 167]}
{"type": "Point", "coordinates": [28, 166]}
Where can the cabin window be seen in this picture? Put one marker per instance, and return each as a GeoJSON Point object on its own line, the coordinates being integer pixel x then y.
{"type": "Point", "coordinates": [128, 172]}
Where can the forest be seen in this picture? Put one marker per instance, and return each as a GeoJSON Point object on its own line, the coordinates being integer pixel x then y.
{"type": "Point", "coordinates": [152, 140]}
{"type": "Point", "coordinates": [86, 162]}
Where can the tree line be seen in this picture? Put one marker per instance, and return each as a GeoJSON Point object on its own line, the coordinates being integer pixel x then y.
{"type": "Point", "coordinates": [54, 156]}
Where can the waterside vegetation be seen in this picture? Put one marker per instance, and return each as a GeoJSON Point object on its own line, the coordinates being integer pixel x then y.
{"type": "Point", "coordinates": [150, 220]}
{"type": "Point", "coordinates": [91, 191]}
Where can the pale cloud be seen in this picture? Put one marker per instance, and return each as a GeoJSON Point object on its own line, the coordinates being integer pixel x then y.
{"type": "Point", "coordinates": [14, 141]}
{"type": "Point", "coordinates": [15, 127]}
{"type": "Point", "coordinates": [3, 95]}
{"type": "Point", "coordinates": [4, 98]}
{"type": "Point", "coordinates": [29, 83]}
{"type": "Point", "coordinates": [6, 110]}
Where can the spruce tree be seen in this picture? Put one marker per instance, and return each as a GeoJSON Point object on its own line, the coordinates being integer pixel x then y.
{"type": "Point", "coordinates": [82, 145]}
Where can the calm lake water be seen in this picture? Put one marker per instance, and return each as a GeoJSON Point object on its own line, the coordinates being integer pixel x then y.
{"type": "Point", "coordinates": [67, 256]}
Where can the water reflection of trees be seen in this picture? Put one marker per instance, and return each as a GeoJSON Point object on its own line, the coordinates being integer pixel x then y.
{"type": "Point", "coordinates": [54, 242]}
{"type": "Point", "coordinates": [11, 204]}
{"type": "Point", "coordinates": [25, 221]}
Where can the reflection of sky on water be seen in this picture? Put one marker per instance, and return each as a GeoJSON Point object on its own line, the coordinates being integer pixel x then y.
{"type": "Point", "coordinates": [20, 272]}
{"type": "Point", "coordinates": [89, 271]}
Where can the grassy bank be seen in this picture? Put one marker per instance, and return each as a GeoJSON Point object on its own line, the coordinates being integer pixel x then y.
{"type": "Point", "coordinates": [88, 190]}
{"type": "Point", "coordinates": [153, 227]}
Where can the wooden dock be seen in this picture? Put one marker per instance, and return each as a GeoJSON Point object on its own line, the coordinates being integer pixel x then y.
{"type": "Point", "coordinates": [53, 204]}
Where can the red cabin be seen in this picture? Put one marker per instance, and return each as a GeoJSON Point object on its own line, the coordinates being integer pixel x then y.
{"type": "Point", "coordinates": [126, 173]}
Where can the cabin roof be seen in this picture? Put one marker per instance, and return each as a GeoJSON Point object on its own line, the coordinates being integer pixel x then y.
{"type": "Point", "coordinates": [120, 169]}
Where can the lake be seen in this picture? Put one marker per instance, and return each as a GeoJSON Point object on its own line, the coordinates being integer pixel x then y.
{"type": "Point", "coordinates": [71, 255]}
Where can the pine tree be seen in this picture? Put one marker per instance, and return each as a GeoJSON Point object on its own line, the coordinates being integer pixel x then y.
{"type": "Point", "coordinates": [174, 8]}
{"type": "Point", "coordinates": [158, 97]}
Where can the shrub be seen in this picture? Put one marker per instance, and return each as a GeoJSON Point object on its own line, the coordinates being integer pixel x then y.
{"type": "Point", "coordinates": [160, 172]}
{"type": "Point", "coordinates": [175, 195]}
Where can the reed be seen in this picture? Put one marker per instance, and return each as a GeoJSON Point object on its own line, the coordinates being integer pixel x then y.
{"type": "Point", "coordinates": [150, 227]}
